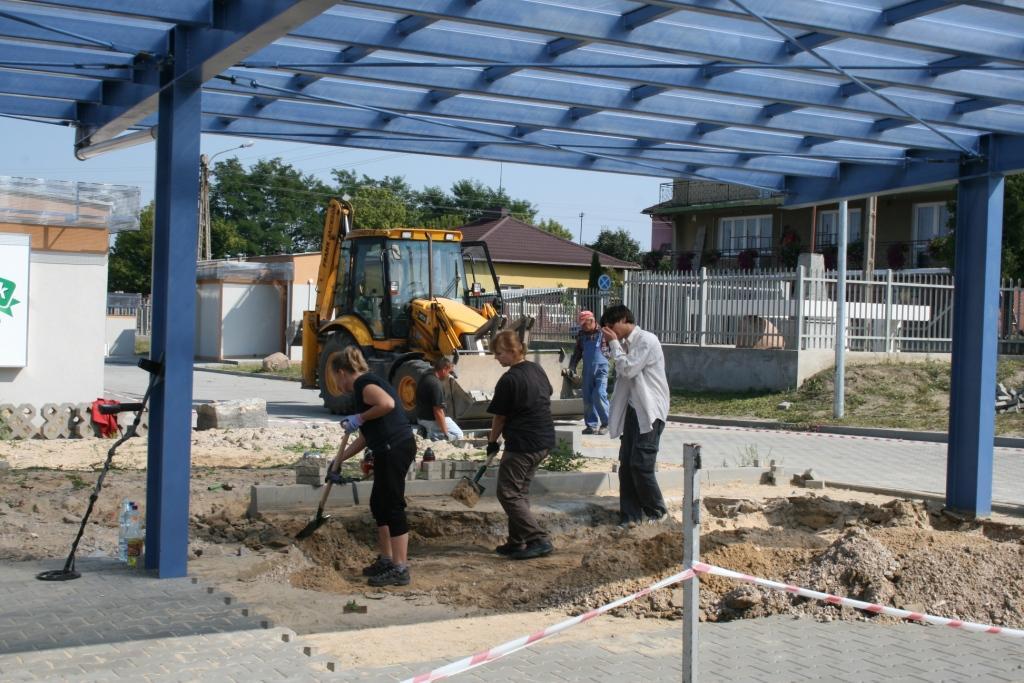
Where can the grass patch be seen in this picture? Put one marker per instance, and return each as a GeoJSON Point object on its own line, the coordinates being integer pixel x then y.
{"type": "Point", "coordinates": [76, 481]}
{"type": "Point", "coordinates": [562, 458]}
{"type": "Point", "coordinates": [142, 346]}
{"type": "Point", "coordinates": [891, 395]}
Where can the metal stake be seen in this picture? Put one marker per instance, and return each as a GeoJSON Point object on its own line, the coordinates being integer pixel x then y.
{"type": "Point", "coordinates": [691, 554]}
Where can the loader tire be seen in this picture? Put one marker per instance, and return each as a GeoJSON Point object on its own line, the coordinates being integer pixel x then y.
{"type": "Point", "coordinates": [405, 380]}
{"type": "Point", "coordinates": [335, 401]}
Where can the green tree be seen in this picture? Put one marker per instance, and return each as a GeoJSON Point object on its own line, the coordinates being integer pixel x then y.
{"type": "Point", "coordinates": [273, 208]}
{"type": "Point", "coordinates": [130, 267]}
{"type": "Point", "coordinates": [617, 243]}
{"type": "Point", "coordinates": [942, 249]}
{"type": "Point", "coordinates": [596, 271]}
{"type": "Point", "coordinates": [472, 198]}
{"type": "Point", "coordinates": [555, 228]}
{"type": "Point", "coordinates": [378, 208]}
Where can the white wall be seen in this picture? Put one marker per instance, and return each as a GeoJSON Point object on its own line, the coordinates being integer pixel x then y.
{"type": "Point", "coordinates": [252, 320]}
{"type": "Point", "coordinates": [66, 328]}
{"type": "Point", "coordinates": [120, 335]}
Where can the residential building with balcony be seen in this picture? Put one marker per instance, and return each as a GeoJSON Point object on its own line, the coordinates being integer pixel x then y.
{"type": "Point", "coordinates": [718, 225]}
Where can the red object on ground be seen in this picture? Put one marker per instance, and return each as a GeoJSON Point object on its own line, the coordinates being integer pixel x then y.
{"type": "Point", "coordinates": [107, 424]}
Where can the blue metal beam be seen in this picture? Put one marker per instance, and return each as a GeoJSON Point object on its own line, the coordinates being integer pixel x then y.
{"type": "Point", "coordinates": [62, 60]}
{"type": "Point", "coordinates": [810, 41]}
{"type": "Point", "coordinates": [186, 12]}
{"type": "Point", "coordinates": [671, 105]}
{"type": "Point", "coordinates": [793, 89]}
{"type": "Point", "coordinates": [643, 15]}
{"type": "Point", "coordinates": [525, 114]}
{"type": "Point", "coordinates": [130, 37]}
{"type": "Point", "coordinates": [50, 86]}
{"type": "Point", "coordinates": [716, 40]}
{"type": "Point", "coordinates": [979, 229]}
{"type": "Point", "coordinates": [912, 10]}
{"type": "Point", "coordinates": [866, 23]}
{"type": "Point", "coordinates": [239, 31]}
{"type": "Point", "coordinates": [174, 304]}
{"type": "Point", "coordinates": [13, 105]}
{"type": "Point", "coordinates": [290, 113]}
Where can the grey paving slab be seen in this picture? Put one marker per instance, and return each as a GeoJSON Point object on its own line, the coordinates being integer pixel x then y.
{"type": "Point", "coordinates": [865, 461]}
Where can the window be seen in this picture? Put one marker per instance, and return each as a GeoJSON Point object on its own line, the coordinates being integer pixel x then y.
{"type": "Point", "coordinates": [930, 221]}
{"type": "Point", "coordinates": [745, 232]}
{"type": "Point", "coordinates": [827, 233]}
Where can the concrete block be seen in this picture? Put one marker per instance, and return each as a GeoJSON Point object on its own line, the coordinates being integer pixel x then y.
{"type": "Point", "coordinates": [572, 436]}
{"type": "Point", "coordinates": [578, 483]}
{"type": "Point", "coordinates": [814, 483]}
{"type": "Point", "coordinates": [248, 412]}
{"type": "Point", "coordinates": [746, 475]}
{"type": "Point", "coordinates": [431, 470]}
{"type": "Point", "coordinates": [5, 467]}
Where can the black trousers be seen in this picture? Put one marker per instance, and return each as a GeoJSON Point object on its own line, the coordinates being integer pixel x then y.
{"type": "Point", "coordinates": [387, 498]}
{"type": "Point", "coordinates": [639, 493]}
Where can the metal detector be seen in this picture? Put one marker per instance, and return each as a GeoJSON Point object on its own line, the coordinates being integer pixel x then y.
{"type": "Point", "coordinates": [155, 370]}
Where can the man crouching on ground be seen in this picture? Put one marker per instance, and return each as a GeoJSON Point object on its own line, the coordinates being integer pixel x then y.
{"type": "Point", "coordinates": [639, 411]}
{"type": "Point", "coordinates": [522, 414]}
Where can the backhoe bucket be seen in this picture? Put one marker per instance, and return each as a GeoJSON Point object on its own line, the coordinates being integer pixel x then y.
{"type": "Point", "coordinates": [471, 393]}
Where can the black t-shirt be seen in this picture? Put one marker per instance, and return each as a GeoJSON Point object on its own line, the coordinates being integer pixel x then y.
{"type": "Point", "coordinates": [429, 393]}
{"type": "Point", "coordinates": [387, 430]}
{"type": "Point", "coordinates": [523, 396]}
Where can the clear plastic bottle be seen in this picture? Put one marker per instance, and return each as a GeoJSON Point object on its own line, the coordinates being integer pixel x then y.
{"type": "Point", "coordinates": [134, 536]}
{"type": "Point", "coordinates": [122, 529]}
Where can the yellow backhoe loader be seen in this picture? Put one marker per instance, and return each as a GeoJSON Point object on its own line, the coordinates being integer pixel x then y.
{"type": "Point", "coordinates": [404, 296]}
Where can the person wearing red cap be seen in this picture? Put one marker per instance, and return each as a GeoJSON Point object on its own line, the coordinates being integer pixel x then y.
{"type": "Point", "coordinates": [592, 348]}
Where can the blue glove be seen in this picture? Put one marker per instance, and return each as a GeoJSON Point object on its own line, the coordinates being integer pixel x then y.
{"type": "Point", "coordinates": [492, 448]}
{"type": "Point", "coordinates": [351, 423]}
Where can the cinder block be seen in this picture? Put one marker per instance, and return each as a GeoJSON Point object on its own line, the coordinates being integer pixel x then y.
{"type": "Point", "coordinates": [431, 470]}
{"type": "Point", "coordinates": [571, 436]}
{"type": "Point", "coordinates": [248, 412]}
{"type": "Point", "coordinates": [814, 484]}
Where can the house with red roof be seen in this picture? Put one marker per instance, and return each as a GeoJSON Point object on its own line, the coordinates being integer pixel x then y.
{"type": "Point", "coordinates": [526, 256]}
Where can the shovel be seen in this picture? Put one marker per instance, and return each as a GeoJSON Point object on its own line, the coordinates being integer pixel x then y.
{"type": "Point", "coordinates": [468, 491]}
{"type": "Point", "coordinates": [320, 519]}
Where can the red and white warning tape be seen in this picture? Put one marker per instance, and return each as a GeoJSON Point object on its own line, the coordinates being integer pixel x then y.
{"type": "Point", "coordinates": [519, 643]}
{"type": "Point", "coordinates": [702, 568]}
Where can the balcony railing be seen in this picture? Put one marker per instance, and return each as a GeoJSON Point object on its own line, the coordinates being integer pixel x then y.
{"type": "Point", "coordinates": [693, 192]}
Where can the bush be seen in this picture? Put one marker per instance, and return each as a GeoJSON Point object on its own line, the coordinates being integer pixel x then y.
{"type": "Point", "coordinates": [563, 459]}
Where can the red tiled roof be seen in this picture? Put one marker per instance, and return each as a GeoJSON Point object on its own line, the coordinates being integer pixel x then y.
{"type": "Point", "coordinates": [510, 240]}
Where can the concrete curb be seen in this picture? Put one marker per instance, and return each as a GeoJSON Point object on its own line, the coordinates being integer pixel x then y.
{"type": "Point", "coordinates": [1007, 508]}
{"type": "Point", "coordinates": [264, 498]}
{"type": "Point", "coordinates": [871, 432]}
{"type": "Point", "coordinates": [218, 371]}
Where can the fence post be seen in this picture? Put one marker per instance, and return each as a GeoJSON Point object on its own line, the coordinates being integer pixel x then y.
{"type": "Point", "coordinates": [702, 318]}
{"type": "Point", "coordinates": [801, 271]}
{"type": "Point", "coordinates": [691, 554]}
{"type": "Point", "coordinates": [888, 310]}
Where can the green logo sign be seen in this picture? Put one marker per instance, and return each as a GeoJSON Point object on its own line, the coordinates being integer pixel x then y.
{"type": "Point", "coordinates": [7, 300]}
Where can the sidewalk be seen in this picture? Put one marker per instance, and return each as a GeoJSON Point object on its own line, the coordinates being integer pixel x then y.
{"type": "Point", "coordinates": [116, 624]}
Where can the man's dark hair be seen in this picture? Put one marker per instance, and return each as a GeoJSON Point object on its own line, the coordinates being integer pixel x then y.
{"type": "Point", "coordinates": [443, 362]}
{"type": "Point", "coordinates": [616, 314]}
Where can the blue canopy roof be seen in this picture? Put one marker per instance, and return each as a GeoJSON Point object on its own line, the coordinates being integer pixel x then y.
{"type": "Point", "coordinates": [815, 99]}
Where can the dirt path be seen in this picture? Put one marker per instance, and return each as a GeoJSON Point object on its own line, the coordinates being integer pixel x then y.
{"type": "Point", "coordinates": [899, 553]}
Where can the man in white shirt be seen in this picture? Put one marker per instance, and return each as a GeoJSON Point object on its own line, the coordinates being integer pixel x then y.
{"type": "Point", "coordinates": [639, 410]}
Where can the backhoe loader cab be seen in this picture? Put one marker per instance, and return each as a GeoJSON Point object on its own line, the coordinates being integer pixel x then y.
{"type": "Point", "coordinates": [405, 296]}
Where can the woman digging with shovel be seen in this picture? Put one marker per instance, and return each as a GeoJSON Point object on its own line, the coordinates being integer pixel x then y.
{"type": "Point", "coordinates": [522, 414]}
{"type": "Point", "coordinates": [387, 433]}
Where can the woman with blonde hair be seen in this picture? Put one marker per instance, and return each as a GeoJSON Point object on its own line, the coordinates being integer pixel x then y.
{"type": "Point", "coordinates": [386, 431]}
{"type": "Point", "coordinates": [522, 414]}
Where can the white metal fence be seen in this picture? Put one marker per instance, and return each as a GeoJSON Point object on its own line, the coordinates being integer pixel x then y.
{"type": "Point", "coordinates": [119, 303]}
{"type": "Point", "coordinates": [554, 310]}
{"type": "Point", "coordinates": [910, 311]}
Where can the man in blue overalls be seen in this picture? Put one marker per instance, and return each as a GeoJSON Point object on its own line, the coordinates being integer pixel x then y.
{"type": "Point", "coordinates": [593, 349]}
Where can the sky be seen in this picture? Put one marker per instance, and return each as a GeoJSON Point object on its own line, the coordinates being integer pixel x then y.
{"type": "Point", "coordinates": [39, 150]}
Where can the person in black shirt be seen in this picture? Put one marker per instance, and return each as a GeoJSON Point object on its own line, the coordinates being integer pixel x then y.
{"type": "Point", "coordinates": [386, 431]}
{"type": "Point", "coordinates": [522, 414]}
{"type": "Point", "coordinates": [430, 408]}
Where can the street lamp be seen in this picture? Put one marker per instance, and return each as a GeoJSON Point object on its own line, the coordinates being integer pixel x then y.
{"type": "Point", "coordinates": [204, 246]}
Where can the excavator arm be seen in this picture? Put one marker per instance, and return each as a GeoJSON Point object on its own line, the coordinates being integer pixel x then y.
{"type": "Point", "coordinates": [337, 224]}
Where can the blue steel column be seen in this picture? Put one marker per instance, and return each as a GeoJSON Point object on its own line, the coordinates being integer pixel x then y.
{"type": "Point", "coordinates": [173, 336]}
{"type": "Point", "coordinates": [979, 229]}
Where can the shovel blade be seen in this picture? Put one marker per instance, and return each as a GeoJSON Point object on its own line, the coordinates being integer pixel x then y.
{"type": "Point", "coordinates": [313, 525]}
{"type": "Point", "coordinates": [467, 492]}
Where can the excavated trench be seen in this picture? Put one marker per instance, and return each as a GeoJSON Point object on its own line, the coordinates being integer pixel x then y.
{"type": "Point", "coordinates": [905, 554]}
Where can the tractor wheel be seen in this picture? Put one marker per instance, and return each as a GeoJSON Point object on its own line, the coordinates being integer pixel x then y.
{"type": "Point", "coordinates": [405, 380]}
{"type": "Point", "coordinates": [335, 401]}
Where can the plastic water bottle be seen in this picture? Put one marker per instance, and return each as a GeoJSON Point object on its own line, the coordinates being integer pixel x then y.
{"type": "Point", "coordinates": [122, 530]}
{"type": "Point", "coordinates": [134, 536]}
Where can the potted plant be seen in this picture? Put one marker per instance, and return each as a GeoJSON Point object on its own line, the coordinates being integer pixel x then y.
{"type": "Point", "coordinates": [685, 261]}
{"type": "Point", "coordinates": [896, 255]}
{"type": "Point", "coordinates": [711, 258]}
{"type": "Point", "coordinates": [747, 259]}
{"type": "Point", "coordinates": [789, 248]}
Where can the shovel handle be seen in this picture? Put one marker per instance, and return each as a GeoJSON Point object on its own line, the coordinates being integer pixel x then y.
{"type": "Point", "coordinates": [333, 467]}
{"type": "Point", "coordinates": [483, 468]}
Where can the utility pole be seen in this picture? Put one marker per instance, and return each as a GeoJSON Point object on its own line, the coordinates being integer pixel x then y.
{"type": "Point", "coordinates": [204, 246]}
{"type": "Point", "coordinates": [581, 227]}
